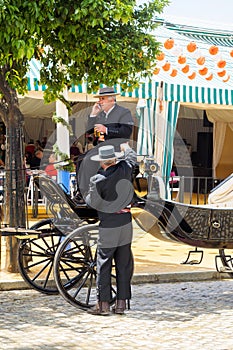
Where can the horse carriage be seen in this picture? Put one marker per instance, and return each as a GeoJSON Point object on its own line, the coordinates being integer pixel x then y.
{"type": "Point", "coordinates": [58, 254]}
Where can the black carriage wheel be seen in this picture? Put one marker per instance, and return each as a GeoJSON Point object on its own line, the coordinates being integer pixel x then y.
{"type": "Point", "coordinates": [75, 268]}
{"type": "Point", "coordinates": [227, 261]}
{"type": "Point", "coordinates": [36, 256]}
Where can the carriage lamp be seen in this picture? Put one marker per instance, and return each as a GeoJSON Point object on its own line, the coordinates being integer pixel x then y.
{"type": "Point", "coordinates": [149, 166]}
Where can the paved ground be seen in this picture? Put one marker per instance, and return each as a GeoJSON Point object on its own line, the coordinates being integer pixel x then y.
{"type": "Point", "coordinates": [184, 316]}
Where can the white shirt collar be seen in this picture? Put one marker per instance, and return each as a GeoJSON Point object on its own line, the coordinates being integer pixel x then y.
{"type": "Point", "coordinates": [107, 113]}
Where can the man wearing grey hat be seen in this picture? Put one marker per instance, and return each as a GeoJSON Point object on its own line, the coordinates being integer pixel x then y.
{"type": "Point", "coordinates": [109, 120]}
{"type": "Point", "coordinates": [111, 192]}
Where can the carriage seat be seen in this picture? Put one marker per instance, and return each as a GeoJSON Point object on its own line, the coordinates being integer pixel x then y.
{"type": "Point", "coordinates": [222, 195]}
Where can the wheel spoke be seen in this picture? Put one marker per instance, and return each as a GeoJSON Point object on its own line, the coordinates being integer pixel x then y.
{"type": "Point", "coordinates": [36, 256]}
{"type": "Point", "coordinates": [75, 267]}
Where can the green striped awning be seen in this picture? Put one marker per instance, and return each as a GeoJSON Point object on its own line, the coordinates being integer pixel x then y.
{"type": "Point", "coordinates": [171, 92]}
{"type": "Point", "coordinates": [194, 94]}
{"type": "Point", "coordinates": [206, 35]}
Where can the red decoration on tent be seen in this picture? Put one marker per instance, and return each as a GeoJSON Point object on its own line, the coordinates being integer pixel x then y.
{"type": "Point", "coordinates": [221, 63]}
{"type": "Point", "coordinates": [161, 56]}
{"type": "Point", "coordinates": [166, 66]}
{"type": "Point", "coordinates": [210, 77]}
{"type": "Point", "coordinates": [174, 73]}
{"type": "Point", "coordinates": [231, 53]}
{"type": "Point", "coordinates": [192, 76]}
{"type": "Point", "coordinates": [169, 43]}
{"type": "Point", "coordinates": [201, 60]}
{"type": "Point", "coordinates": [221, 73]}
{"type": "Point", "coordinates": [185, 69]}
{"type": "Point", "coordinates": [213, 50]}
{"type": "Point", "coordinates": [191, 47]}
{"type": "Point", "coordinates": [181, 59]}
{"type": "Point", "coordinates": [203, 71]}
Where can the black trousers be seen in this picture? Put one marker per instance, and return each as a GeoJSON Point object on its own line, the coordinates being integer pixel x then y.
{"type": "Point", "coordinates": [114, 244]}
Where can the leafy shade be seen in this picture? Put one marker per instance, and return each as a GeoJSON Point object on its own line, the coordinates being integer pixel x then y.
{"type": "Point", "coordinates": [97, 41]}
{"type": "Point", "coordinates": [65, 162]}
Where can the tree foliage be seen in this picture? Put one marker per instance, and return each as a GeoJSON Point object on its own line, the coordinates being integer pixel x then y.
{"type": "Point", "coordinates": [92, 41]}
{"type": "Point", "coordinates": [96, 40]}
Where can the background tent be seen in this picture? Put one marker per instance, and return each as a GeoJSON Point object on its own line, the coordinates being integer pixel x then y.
{"type": "Point", "coordinates": [194, 71]}
{"type": "Point", "coordinates": [202, 81]}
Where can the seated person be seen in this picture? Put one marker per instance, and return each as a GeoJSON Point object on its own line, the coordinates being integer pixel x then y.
{"type": "Point", "coordinates": [50, 169]}
{"type": "Point", "coordinates": [36, 160]}
{"type": "Point", "coordinates": [111, 123]}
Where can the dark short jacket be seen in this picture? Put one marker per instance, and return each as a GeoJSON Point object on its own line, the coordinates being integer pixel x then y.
{"type": "Point", "coordinates": [119, 123]}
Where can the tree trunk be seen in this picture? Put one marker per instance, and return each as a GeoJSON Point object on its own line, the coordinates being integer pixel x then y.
{"type": "Point", "coordinates": [15, 208]}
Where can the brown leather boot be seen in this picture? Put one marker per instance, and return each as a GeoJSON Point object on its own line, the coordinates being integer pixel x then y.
{"type": "Point", "coordinates": [102, 308]}
{"type": "Point", "coordinates": [120, 307]}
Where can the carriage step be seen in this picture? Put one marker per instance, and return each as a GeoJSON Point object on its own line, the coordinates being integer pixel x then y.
{"type": "Point", "coordinates": [219, 263]}
{"type": "Point", "coordinates": [191, 261]}
{"type": "Point", "coordinates": [18, 232]}
{"type": "Point", "coordinates": [225, 269]}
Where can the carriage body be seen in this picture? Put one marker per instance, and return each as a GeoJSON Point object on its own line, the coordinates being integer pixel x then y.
{"type": "Point", "coordinates": [205, 226]}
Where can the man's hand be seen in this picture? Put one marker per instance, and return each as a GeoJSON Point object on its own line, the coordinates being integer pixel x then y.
{"type": "Point", "coordinates": [97, 178]}
{"type": "Point", "coordinates": [101, 128]}
{"type": "Point", "coordinates": [124, 146]}
{"type": "Point", "coordinates": [96, 109]}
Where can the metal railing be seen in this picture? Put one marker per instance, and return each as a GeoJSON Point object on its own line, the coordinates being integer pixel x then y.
{"type": "Point", "coordinates": [192, 190]}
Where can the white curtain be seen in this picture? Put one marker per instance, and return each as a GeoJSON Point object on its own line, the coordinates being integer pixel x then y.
{"type": "Point", "coordinates": [33, 127]}
{"type": "Point", "coordinates": [218, 143]}
{"type": "Point", "coordinates": [37, 128]}
{"type": "Point", "coordinates": [146, 129]}
{"type": "Point", "coordinates": [220, 120]}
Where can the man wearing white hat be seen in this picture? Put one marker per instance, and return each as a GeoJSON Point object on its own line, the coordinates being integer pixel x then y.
{"type": "Point", "coordinates": [109, 119]}
{"type": "Point", "coordinates": [111, 192]}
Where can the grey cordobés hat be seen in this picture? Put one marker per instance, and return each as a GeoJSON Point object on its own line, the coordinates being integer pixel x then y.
{"type": "Point", "coordinates": [106, 91]}
{"type": "Point", "coordinates": [106, 153]}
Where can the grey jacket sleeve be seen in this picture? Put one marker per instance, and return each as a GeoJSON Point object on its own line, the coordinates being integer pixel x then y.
{"type": "Point", "coordinates": [93, 198]}
{"type": "Point", "coordinates": [130, 157]}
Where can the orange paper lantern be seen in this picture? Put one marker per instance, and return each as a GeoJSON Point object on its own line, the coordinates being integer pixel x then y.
{"type": "Point", "coordinates": [225, 80]}
{"type": "Point", "coordinates": [192, 76]}
{"type": "Point", "coordinates": [156, 71]}
{"type": "Point", "coordinates": [181, 59]}
{"type": "Point", "coordinates": [161, 56]}
{"type": "Point", "coordinates": [185, 69]}
{"type": "Point", "coordinates": [169, 43]}
{"type": "Point", "coordinates": [221, 64]}
{"type": "Point", "coordinates": [203, 71]}
{"type": "Point", "coordinates": [166, 66]}
{"type": "Point", "coordinates": [231, 53]}
{"type": "Point", "coordinates": [210, 77]}
{"type": "Point", "coordinates": [174, 73]}
{"type": "Point", "coordinates": [221, 73]}
{"type": "Point", "coordinates": [191, 47]}
{"type": "Point", "coordinates": [213, 50]}
{"type": "Point", "coordinates": [201, 60]}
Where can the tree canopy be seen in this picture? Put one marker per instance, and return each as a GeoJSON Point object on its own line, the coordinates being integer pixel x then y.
{"type": "Point", "coordinates": [96, 40]}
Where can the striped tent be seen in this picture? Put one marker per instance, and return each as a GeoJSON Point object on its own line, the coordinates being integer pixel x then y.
{"type": "Point", "coordinates": [170, 92]}
{"type": "Point", "coordinates": [164, 94]}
